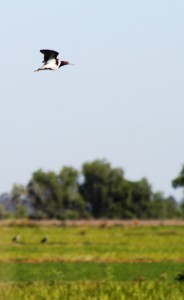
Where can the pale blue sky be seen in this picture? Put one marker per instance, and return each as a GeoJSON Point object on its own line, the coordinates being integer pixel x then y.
{"type": "Point", "coordinates": [123, 100]}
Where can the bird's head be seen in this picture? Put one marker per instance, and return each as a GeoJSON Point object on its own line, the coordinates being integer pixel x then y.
{"type": "Point", "coordinates": [63, 63]}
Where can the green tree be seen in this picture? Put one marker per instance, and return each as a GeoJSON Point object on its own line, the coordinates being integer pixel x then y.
{"type": "Point", "coordinates": [18, 196]}
{"type": "Point", "coordinates": [57, 195]}
{"type": "Point", "coordinates": [45, 194]}
{"type": "Point", "coordinates": [101, 188]}
{"type": "Point", "coordinates": [18, 192]}
{"type": "Point", "coordinates": [172, 208]}
{"type": "Point", "coordinates": [2, 212]}
{"type": "Point", "coordinates": [179, 180]}
{"type": "Point", "coordinates": [138, 198]}
{"type": "Point", "coordinates": [72, 201]}
{"type": "Point", "coordinates": [181, 207]}
{"type": "Point", "coordinates": [163, 207]}
{"type": "Point", "coordinates": [111, 195]}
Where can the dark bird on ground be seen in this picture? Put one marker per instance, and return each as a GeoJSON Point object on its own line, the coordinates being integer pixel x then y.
{"type": "Point", "coordinates": [51, 62]}
{"type": "Point", "coordinates": [44, 240]}
{"type": "Point", "coordinates": [16, 238]}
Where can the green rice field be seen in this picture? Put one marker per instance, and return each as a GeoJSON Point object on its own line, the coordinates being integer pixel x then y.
{"type": "Point", "coordinates": [91, 262]}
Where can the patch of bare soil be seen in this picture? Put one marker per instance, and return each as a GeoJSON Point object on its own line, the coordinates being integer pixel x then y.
{"type": "Point", "coordinates": [83, 260]}
{"type": "Point", "coordinates": [92, 223]}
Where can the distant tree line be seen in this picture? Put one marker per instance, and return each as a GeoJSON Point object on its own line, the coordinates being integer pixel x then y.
{"type": "Point", "coordinates": [97, 191]}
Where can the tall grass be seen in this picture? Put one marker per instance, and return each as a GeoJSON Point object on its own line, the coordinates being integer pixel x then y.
{"type": "Point", "coordinates": [94, 291]}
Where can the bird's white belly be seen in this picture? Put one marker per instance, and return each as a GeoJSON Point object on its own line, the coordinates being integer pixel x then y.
{"type": "Point", "coordinates": [50, 66]}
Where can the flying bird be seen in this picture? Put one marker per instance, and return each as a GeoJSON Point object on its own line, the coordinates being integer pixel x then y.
{"type": "Point", "coordinates": [50, 61]}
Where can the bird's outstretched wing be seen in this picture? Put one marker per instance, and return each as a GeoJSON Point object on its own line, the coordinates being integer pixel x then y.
{"type": "Point", "coordinates": [49, 54]}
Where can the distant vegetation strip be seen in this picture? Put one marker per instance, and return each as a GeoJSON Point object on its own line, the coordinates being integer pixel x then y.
{"type": "Point", "coordinates": [97, 191]}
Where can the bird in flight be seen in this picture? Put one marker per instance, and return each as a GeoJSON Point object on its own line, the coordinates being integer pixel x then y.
{"type": "Point", "coordinates": [50, 61]}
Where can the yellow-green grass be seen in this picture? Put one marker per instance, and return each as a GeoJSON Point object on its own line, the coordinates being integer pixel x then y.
{"type": "Point", "coordinates": [94, 291]}
{"type": "Point", "coordinates": [84, 271]}
{"type": "Point", "coordinates": [87, 263]}
{"type": "Point", "coordinates": [114, 244]}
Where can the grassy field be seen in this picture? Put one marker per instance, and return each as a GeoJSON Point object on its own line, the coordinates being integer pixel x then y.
{"type": "Point", "coordinates": [91, 262]}
{"type": "Point", "coordinates": [93, 271]}
{"type": "Point", "coordinates": [93, 291]}
{"type": "Point", "coordinates": [99, 244]}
